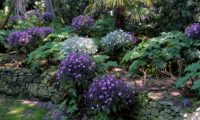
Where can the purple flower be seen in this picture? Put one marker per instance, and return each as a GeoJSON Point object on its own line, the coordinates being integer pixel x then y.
{"type": "Point", "coordinates": [82, 21]}
{"type": "Point", "coordinates": [47, 16]}
{"type": "Point", "coordinates": [16, 18]}
{"type": "Point", "coordinates": [75, 65]}
{"type": "Point", "coordinates": [19, 39]}
{"type": "Point", "coordinates": [28, 36]}
{"type": "Point", "coordinates": [108, 91]}
{"type": "Point", "coordinates": [193, 31]}
{"type": "Point", "coordinates": [40, 32]}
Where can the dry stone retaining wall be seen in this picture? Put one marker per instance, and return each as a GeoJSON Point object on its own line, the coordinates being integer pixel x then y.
{"type": "Point", "coordinates": [23, 81]}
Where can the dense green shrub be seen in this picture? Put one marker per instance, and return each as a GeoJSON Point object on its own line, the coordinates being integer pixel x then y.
{"type": "Point", "coordinates": [166, 16]}
{"type": "Point", "coordinates": [103, 64]}
{"type": "Point", "coordinates": [192, 74]}
{"type": "Point", "coordinates": [103, 26]}
{"type": "Point", "coordinates": [3, 36]}
{"type": "Point", "coordinates": [161, 52]}
{"type": "Point", "coordinates": [71, 7]}
{"type": "Point", "coordinates": [50, 51]}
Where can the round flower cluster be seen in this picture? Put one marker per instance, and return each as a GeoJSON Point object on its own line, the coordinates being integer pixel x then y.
{"type": "Point", "coordinates": [193, 31]}
{"type": "Point", "coordinates": [28, 36]}
{"type": "Point", "coordinates": [79, 44]}
{"type": "Point", "coordinates": [82, 21]}
{"type": "Point", "coordinates": [40, 32]}
{"type": "Point", "coordinates": [19, 39]}
{"type": "Point", "coordinates": [75, 65]}
{"type": "Point", "coordinates": [115, 39]}
{"type": "Point", "coordinates": [107, 91]}
{"type": "Point", "coordinates": [47, 16]}
{"type": "Point", "coordinates": [15, 18]}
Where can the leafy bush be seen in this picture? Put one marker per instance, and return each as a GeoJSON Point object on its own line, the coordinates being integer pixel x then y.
{"type": "Point", "coordinates": [109, 94]}
{"type": "Point", "coordinates": [79, 44]}
{"type": "Point", "coordinates": [192, 73]}
{"type": "Point", "coordinates": [3, 36]}
{"type": "Point", "coordinates": [162, 51]}
{"type": "Point", "coordinates": [103, 26]}
{"type": "Point", "coordinates": [76, 70]}
{"type": "Point", "coordinates": [103, 64]}
{"type": "Point", "coordinates": [115, 40]}
{"type": "Point", "coordinates": [71, 7]}
{"type": "Point", "coordinates": [193, 31]}
{"type": "Point", "coordinates": [49, 51]}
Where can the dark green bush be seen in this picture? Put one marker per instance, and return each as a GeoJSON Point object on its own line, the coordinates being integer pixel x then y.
{"type": "Point", "coordinates": [162, 52]}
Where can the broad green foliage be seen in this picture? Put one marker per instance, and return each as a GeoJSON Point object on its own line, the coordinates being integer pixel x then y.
{"type": "Point", "coordinates": [3, 36]}
{"type": "Point", "coordinates": [192, 72]}
{"type": "Point", "coordinates": [103, 64]}
{"type": "Point", "coordinates": [79, 44]}
{"type": "Point", "coordinates": [56, 37]}
{"type": "Point", "coordinates": [160, 51]}
{"type": "Point", "coordinates": [50, 50]}
{"type": "Point", "coordinates": [103, 26]}
{"type": "Point", "coordinates": [28, 23]}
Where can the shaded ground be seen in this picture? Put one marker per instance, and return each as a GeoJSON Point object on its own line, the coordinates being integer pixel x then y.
{"type": "Point", "coordinates": [15, 109]}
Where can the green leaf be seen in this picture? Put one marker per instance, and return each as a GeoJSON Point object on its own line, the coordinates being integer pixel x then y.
{"type": "Point", "coordinates": [196, 85]}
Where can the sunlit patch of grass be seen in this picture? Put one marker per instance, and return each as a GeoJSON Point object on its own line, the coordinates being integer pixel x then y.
{"type": "Point", "coordinates": [15, 110]}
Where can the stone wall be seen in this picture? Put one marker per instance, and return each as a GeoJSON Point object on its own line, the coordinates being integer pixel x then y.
{"type": "Point", "coordinates": [162, 110]}
{"type": "Point", "coordinates": [23, 81]}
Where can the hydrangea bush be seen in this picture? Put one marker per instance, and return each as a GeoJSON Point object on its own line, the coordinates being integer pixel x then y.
{"type": "Point", "coordinates": [79, 44]}
{"type": "Point", "coordinates": [40, 32]}
{"type": "Point", "coordinates": [115, 40]}
{"type": "Point", "coordinates": [82, 21]}
{"type": "Point", "coordinates": [193, 31]}
{"type": "Point", "coordinates": [19, 39]}
{"type": "Point", "coordinates": [15, 18]}
{"type": "Point", "coordinates": [76, 66]}
{"type": "Point", "coordinates": [28, 37]}
{"type": "Point", "coordinates": [47, 16]}
{"type": "Point", "coordinates": [108, 93]}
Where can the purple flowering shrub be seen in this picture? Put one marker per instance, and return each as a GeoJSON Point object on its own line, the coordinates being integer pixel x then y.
{"type": "Point", "coordinates": [40, 32]}
{"type": "Point", "coordinates": [108, 93]}
{"type": "Point", "coordinates": [47, 16]}
{"type": "Point", "coordinates": [19, 39]}
{"type": "Point", "coordinates": [29, 37]}
{"type": "Point", "coordinates": [15, 18]}
{"type": "Point", "coordinates": [76, 66]}
{"type": "Point", "coordinates": [193, 31]}
{"type": "Point", "coordinates": [75, 71]}
{"type": "Point", "coordinates": [82, 24]}
{"type": "Point", "coordinates": [82, 21]}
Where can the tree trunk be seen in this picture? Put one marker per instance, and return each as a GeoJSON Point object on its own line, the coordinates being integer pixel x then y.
{"type": "Point", "coordinates": [119, 18]}
{"type": "Point", "coordinates": [49, 6]}
{"type": "Point", "coordinates": [8, 16]}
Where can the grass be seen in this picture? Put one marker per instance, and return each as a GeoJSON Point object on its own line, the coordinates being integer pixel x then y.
{"type": "Point", "coordinates": [13, 109]}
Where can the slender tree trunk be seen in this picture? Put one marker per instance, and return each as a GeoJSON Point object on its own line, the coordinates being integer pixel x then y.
{"type": "Point", "coordinates": [50, 6]}
{"type": "Point", "coordinates": [119, 18]}
{"type": "Point", "coordinates": [8, 16]}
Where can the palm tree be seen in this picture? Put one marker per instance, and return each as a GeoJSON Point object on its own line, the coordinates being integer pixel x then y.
{"type": "Point", "coordinates": [133, 9]}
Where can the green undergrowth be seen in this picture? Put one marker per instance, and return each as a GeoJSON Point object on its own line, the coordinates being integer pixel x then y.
{"type": "Point", "coordinates": [13, 109]}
